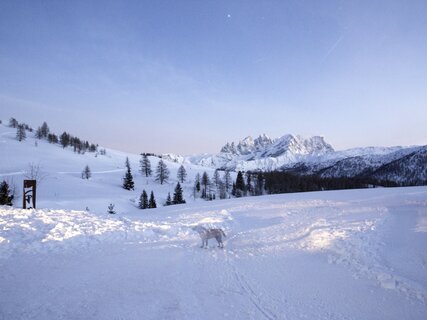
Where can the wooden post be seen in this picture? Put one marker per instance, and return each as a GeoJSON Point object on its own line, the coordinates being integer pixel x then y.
{"type": "Point", "coordinates": [29, 194]}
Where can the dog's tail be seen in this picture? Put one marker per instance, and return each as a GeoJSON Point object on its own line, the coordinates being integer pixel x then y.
{"type": "Point", "coordinates": [222, 233]}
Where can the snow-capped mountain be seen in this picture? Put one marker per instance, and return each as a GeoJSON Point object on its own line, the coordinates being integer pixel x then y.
{"type": "Point", "coordinates": [264, 153]}
{"type": "Point", "coordinates": [313, 155]}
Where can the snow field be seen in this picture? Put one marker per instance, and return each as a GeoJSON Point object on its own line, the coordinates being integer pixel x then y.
{"type": "Point", "coordinates": [332, 255]}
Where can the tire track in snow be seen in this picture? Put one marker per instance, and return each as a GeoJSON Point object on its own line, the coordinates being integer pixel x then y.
{"type": "Point", "coordinates": [244, 285]}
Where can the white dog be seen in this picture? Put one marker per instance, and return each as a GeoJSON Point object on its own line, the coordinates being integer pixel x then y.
{"type": "Point", "coordinates": [206, 234]}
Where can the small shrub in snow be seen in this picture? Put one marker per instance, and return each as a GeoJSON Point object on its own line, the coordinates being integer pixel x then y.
{"type": "Point", "coordinates": [86, 174]}
{"type": "Point", "coordinates": [168, 200]}
{"type": "Point", "coordinates": [111, 209]}
{"type": "Point", "coordinates": [6, 195]}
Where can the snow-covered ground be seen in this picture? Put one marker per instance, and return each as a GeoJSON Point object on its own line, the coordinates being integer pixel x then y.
{"type": "Point", "coordinates": [357, 254]}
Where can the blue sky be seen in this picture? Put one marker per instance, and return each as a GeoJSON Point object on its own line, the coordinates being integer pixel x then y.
{"type": "Point", "coordinates": [187, 76]}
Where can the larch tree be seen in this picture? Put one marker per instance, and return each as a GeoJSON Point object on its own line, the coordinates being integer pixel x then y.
{"type": "Point", "coordinates": [182, 174]}
{"type": "Point", "coordinates": [20, 132]}
{"type": "Point", "coordinates": [145, 165]}
{"type": "Point", "coordinates": [162, 172]}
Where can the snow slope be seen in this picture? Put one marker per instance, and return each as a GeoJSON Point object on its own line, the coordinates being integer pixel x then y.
{"type": "Point", "coordinates": [356, 254]}
{"type": "Point", "coordinates": [63, 187]}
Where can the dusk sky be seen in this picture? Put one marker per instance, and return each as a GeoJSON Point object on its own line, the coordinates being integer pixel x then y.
{"type": "Point", "coordinates": [188, 76]}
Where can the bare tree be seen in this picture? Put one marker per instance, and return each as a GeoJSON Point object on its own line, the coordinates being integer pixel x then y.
{"type": "Point", "coordinates": [35, 172]}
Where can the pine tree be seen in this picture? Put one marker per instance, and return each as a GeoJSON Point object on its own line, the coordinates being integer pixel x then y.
{"type": "Point", "coordinates": [177, 196]}
{"type": "Point", "coordinates": [52, 138]}
{"type": "Point", "coordinates": [38, 133]}
{"type": "Point", "coordinates": [13, 123]}
{"type": "Point", "coordinates": [145, 165]}
{"type": "Point", "coordinates": [152, 201]}
{"type": "Point", "coordinates": [259, 184]}
{"type": "Point", "coordinates": [162, 172]}
{"type": "Point", "coordinates": [249, 188]}
{"type": "Point", "coordinates": [86, 174]}
{"type": "Point", "coordinates": [221, 189]}
{"type": "Point", "coordinates": [143, 200]}
{"type": "Point", "coordinates": [240, 185]}
{"type": "Point", "coordinates": [6, 196]}
{"type": "Point", "coordinates": [64, 139]}
{"type": "Point", "coordinates": [227, 181]}
{"type": "Point", "coordinates": [44, 130]}
{"type": "Point", "coordinates": [168, 200]}
{"type": "Point", "coordinates": [20, 132]}
{"type": "Point", "coordinates": [197, 182]}
{"type": "Point", "coordinates": [205, 185]}
{"type": "Point", "coordinates": [216, 178]}
{"type": "Point", "coordinates": [182, 174]}
{"type": "Point", "coordinates": [128, 183]}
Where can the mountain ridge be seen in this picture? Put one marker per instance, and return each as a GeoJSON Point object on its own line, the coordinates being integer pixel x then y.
{"type": "Point", "coordinates": [313, 155]}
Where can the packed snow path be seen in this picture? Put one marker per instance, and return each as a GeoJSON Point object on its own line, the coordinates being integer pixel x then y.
{"type": "Point", "coordinates": [357, 254]}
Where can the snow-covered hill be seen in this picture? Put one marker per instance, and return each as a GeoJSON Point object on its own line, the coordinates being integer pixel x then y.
{"type": "Point", "coordinates": [62, 187]}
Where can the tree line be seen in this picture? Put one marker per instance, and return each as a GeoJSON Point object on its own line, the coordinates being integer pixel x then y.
{"type": "Point", "coordinates": [65, 139]}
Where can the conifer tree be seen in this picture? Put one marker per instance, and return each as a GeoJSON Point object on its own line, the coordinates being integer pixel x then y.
{"type": "Point", "coordinates": [143, 200]}
{"type": "Point", "coordinates": [259, 184]}
{"type": "Point", "coordinates": [182, 174]}
{"type": "Point", "coordinates": [177, 196]}
{"type": "Point", "coordinates": [168, 200]}
{"type": "Point", "coordinates": [205, 185]}
{"type": "Point", "coordinates": [13, 123]}
{"type": "Point", "coordinates": [64, 139]}
{"type": "Point", "coordinates": [6, 196]}
{"type": "Point", "coordinates": [221, 190]}
{"type": "Point", "coordinates": [86, 174]}
{"type": "Point", "coordinates": [38, 133]}
{"type": "Point", "coordinates": [52, 138]}
{"type": "Point", "coordinates": [249, 188]}
{"type": "Point", "coordinates": [240, 185]}
{"type": "Point", "coordinates": [20, 132]}
{"type": "Point", "coordinates": [152, 201]}
{"type": "Point", "coordinates": [227, 180]}
{"type": "Point", "coordinates": [145, 165]}
{"type": "Point", "coordinates": [128, 183]}
{"type": "Point", "coordinates": [197, 182]}
{"type": "Point", "coordinates": [216, 178]}
{"type": "Point", "coordinates": [162, 172]}
{"type": "Point", "coordinates": [233, 189]}
{"type": "Point", "coordinates": [44, 130]}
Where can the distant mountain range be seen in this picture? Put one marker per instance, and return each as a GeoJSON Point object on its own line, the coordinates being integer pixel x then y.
{"type": "Point", "coordinates": [293, 153]}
